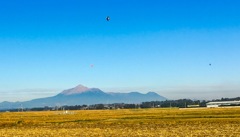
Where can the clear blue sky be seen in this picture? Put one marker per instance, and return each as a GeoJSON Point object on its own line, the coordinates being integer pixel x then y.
{"type": "Point", "coordinates": [164, 46]}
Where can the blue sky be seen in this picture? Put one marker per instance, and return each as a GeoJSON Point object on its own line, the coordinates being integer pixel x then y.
{"type": "Point", "coordinates": [164, 46]}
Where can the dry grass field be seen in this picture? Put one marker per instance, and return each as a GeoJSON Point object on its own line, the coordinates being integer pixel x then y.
{"type": "Point", "coordinates": [223, 122]}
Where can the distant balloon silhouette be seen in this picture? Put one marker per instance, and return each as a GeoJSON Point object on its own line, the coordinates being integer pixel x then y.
{"type": "Point", "coordinates": [91, 65]}
{"type": "Point", "coordinates": [210, 64]}
{"type": "Point", "coordinates": [108, 18]}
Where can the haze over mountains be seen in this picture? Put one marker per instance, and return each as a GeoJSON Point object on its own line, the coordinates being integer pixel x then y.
{"type": "Point", "coordinates": [80, 95]}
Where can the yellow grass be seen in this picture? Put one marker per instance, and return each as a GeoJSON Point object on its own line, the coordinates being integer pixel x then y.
{"type": "Point", "coordinates": [123, 123]}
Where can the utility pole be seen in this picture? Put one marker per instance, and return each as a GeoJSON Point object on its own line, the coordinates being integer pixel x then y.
{"type": "Point", "coordinates": [22, 107]}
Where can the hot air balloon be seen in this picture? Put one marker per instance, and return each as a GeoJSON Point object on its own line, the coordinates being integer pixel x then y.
{"type": "Point", "coordinates": [108, 18]}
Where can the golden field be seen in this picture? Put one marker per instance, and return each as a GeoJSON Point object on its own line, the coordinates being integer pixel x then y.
{"type": "Point", "coordinates": [223, 122]}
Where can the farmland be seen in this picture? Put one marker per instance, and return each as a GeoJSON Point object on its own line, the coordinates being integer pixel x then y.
{"type": "Point", "coordinates": [123, 123]}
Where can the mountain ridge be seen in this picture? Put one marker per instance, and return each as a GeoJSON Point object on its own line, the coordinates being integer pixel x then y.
{"type": "Point", "coordinates": [80, 95]}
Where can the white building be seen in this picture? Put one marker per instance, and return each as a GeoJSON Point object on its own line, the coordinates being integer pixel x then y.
{"type": "Point", "coordinates": [222, 103]}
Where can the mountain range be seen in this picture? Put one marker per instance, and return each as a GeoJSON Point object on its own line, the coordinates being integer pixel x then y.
{"type": "Point", "coordinates": [80, 95]}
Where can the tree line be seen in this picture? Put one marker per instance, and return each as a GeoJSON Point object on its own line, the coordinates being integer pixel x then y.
{"type": "Point", "coordinates": [180, 103]}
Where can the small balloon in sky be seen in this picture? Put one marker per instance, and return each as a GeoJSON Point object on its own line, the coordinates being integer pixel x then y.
{"type": "Point", "coordinates": [91, 65]}
{"type": "Point", "coordinates": [210, 64]}
{"type": "Point", "coordinates": [108, 18]}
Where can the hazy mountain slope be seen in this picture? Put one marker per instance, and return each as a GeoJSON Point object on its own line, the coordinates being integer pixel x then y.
{"type": "Point", "coordinates": [82, 95]}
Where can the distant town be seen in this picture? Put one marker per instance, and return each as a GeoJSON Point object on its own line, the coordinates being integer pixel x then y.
{"type": "Point", "coordinates": [181, 103]}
